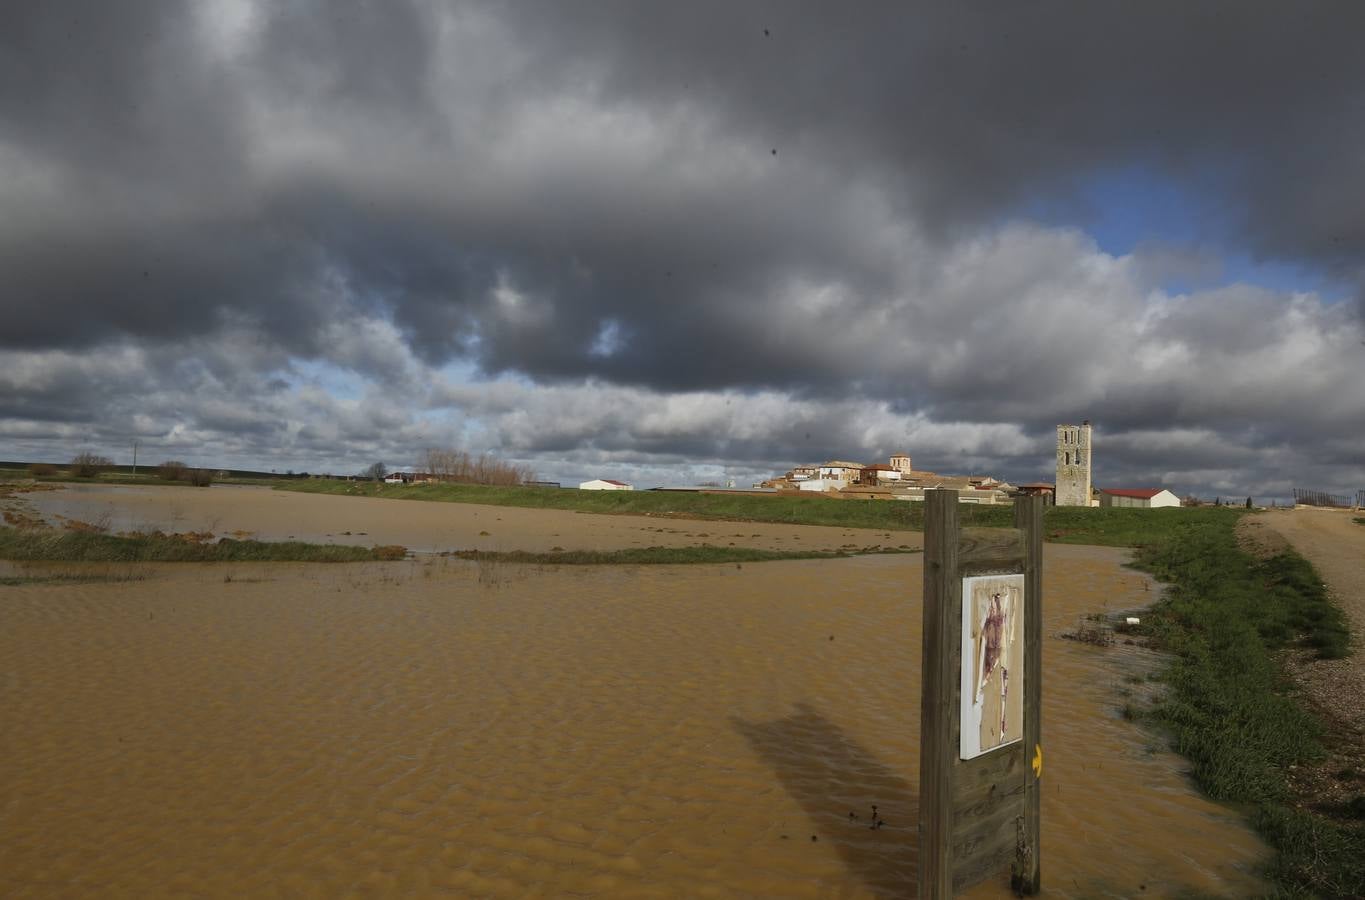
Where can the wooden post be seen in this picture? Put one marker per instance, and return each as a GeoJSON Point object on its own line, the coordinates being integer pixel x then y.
{"type": "Point", "coordinates": [1028, 518]}
{"type": "Point", "coordinates": [979, 810]}
{"type": "Point", "coordinates": [938, 693]}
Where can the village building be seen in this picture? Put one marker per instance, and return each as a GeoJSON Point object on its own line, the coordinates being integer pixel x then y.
{"type": "Point", "coordinates": [1037, 488]}
{"type": "Point", "coordinates": [840, 470]}
{"type": "Point", "coordinates": [874, 475]}
{"type": "Point", "coordinates": [844, 480]}
{"type": "Point", "coordinates": [1137, 498]}
{"type": "Point", "coordinates": [1073, 465]}
{"type": "Point", "coordinates": [605, 484]}
{"type": "Point", "coordinates": [409, 478]}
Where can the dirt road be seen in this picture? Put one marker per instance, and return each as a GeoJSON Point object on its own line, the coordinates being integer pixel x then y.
{"type": "Point", "coordinates": [1335, 545]}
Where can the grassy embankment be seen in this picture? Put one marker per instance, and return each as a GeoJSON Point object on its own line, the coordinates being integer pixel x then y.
{"type": "Point", "coordinates": [1111, 527]}
{"type": "Point", "coordinates": [705, 553]}
{"type": "Point", "coordinates": [1225, 621]}
{"type": "Point", "coordinates": [151, 479]}
{"type": "Point", "coordinates": [27, 544]}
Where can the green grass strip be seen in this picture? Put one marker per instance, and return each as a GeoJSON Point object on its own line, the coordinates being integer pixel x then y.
{"type": "Point", "coordinates": [67, 578]}
{"type": "Point", "coordinates": [1072, 525]}
{"type": "Point", "coordinates": [650, 556]}
{"type": "Point", "coordinates": [68, 546]}
{"type": "Point", "coordinates": [1229, 707]}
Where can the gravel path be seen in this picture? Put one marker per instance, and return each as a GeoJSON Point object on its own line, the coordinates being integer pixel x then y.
{"type": "Point", "coordinates": [1335, 545]}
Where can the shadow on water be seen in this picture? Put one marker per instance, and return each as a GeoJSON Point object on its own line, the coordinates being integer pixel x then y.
{"type": "Point", "coordinates": [831, 775]}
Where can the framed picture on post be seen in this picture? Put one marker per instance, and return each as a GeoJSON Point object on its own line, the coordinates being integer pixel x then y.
{"type": "Point", "coordinates": [992, 694]}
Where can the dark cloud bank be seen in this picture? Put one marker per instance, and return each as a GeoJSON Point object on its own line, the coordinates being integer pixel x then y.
{"type": "Point", "coordinates": [677, 240]}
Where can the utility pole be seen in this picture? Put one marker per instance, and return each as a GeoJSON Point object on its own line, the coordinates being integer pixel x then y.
{"type": "Point", "coordinates": [134, 458]}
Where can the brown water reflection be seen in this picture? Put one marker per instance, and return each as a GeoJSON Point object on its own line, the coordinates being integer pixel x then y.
{"type": "Point", "coordinates": [820, 765]}
{"type": "Point", "coordinates": [442, 728]}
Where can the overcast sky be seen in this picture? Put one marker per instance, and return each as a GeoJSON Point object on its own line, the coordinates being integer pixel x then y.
{"type": "Point", "coordinates": [674, 242]}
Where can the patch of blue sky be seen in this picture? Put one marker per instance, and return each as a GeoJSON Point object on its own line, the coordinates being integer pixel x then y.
{"type": "Point", "coordinates": [609, 339]}
{"type": "Point", "coordinates": [340, 383]}
{"type": "Point", "coordinates": [459, 371]}
{"type": "Point", "coordinates": [1125, 209]}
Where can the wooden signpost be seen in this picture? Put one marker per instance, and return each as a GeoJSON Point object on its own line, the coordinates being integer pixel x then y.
{"type": "Point", "coordinates": [981, 750]}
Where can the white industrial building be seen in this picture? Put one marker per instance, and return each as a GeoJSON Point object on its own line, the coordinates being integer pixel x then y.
{"type": "Point", "coordinates": [605, 484]}
{"type": "Point", "coordinates": [1137, 498]}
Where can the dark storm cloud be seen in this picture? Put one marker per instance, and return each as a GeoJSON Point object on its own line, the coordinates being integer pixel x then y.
{"type": "Point", "coordinates": [666, 198]}
{"type": "Point", "coordinates": [121, 88]}
{"type": "Point", "coordinates": [980, 106]}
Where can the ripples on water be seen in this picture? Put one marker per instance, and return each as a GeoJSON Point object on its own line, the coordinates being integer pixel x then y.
{"type": "Point", "coordinates": [428, 728]}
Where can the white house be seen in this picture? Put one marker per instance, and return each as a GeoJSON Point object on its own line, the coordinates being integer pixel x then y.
{"type": "Point", "coordinates": [820, 485]}
{"type": "Point", "coordinates": [1140, 498]}
{"type": "Point", "coordinates": [605, 484]}
{"type": "Point", "coordinates": [839, 470]}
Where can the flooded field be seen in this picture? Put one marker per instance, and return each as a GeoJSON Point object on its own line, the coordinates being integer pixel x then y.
{"type": "Point", "coordinates": [424, 527]}
{"type": "Point", "coordinates": [435, 727]}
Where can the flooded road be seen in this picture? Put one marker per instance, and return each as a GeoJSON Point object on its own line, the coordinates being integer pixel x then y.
{"type": "Point", "coordinates": [438, 727]}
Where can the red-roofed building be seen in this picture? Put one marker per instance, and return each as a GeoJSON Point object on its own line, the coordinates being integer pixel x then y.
{"type": "Point", "coordinates": [1139, 498]}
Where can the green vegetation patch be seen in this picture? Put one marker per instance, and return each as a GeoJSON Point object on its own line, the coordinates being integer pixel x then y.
{"type": "Point", "coordinates": [81, 546]}
{"type": "Point", "coordinates": [1230, 708]}
{"type": "Point", "coordinates": [1359, 520]}
{"type": "Point", "coordinates": [659, 555]}
{"type": "Point", "coordinates": [69, 578]}
{"type": "Point", "coordinates": [1072, 525]}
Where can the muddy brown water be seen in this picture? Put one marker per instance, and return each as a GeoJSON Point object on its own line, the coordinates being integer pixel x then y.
{"type": "Point", "coordinates": [442, 728]}
{"type": "Point", "coordinates": [425, 527]}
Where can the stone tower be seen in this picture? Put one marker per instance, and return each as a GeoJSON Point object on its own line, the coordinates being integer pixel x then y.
{"type": "Point", "coordinates": [1073, 464]}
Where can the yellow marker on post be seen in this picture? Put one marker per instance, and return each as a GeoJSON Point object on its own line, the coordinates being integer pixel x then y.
{"type": "Point", "coordinates": [1037, 760]}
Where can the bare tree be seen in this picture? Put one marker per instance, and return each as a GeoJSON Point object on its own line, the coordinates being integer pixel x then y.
{"type": "Point", "coordinates": [459, 467]}
{"type": "Point", "coordinates": [88, 465]}
{"type": "Point", "coordinates": [172, 470]}
{"type": "Point", "coordinates": [375, 472]}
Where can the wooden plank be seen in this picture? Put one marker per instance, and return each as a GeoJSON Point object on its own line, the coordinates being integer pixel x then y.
{"type": "Point", "coordinates": [1028, 518]}
{"type": "Point", "coordinates": [988, 835]}
{"type": "Point", "coordinates": [985, 799]}
{"type": "Point", "coordinates": [981, 867]}
{"type": "Point", "coordinates": [988, 779]}
{"type": "Point", "coordinates": [938, 696]}
{"type": "Point", "coordinates": [990, 548]}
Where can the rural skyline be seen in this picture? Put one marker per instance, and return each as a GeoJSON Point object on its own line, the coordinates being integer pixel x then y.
{"type": "Point", "coordinates": [673, 243]}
